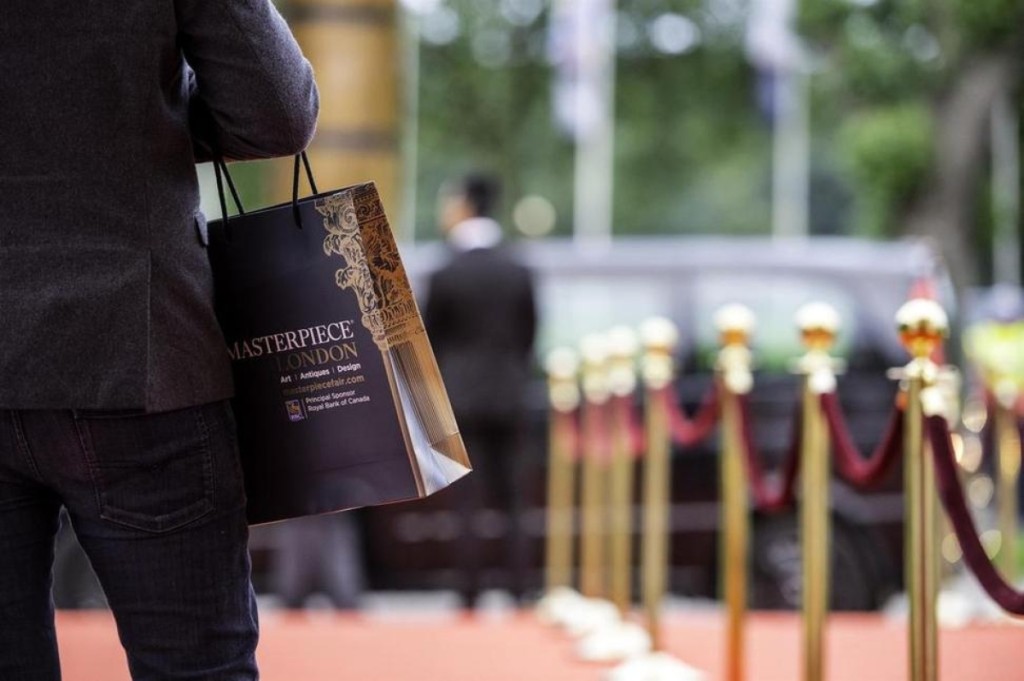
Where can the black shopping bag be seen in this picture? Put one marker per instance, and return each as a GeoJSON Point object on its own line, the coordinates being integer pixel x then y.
{"type": "Point", "coordinates": [339, 400]}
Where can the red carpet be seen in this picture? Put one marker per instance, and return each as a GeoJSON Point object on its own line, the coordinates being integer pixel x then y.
{"type": "Point", "coordinates": [349, 648]}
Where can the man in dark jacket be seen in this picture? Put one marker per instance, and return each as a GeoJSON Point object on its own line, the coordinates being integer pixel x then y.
{"type": "Point", "coordinates": [481, 318]}
{"type": "Point", "coordinates": [114, 377]}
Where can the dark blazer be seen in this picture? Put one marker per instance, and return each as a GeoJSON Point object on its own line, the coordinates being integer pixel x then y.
{"type": "Point", "coordinates": [481, 317]}
{"type": "Point", "coordinates": [105, 107]}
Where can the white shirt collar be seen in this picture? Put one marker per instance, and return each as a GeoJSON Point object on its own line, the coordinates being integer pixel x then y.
{"type": "Point", "coordinates": [475, 233]}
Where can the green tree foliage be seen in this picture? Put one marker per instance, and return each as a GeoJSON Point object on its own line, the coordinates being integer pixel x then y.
{"type": "Point", "coordinates": [692, 152]}
{"type": "Point", "coordinates": [484, 103]}
{"type": "Point", "coordinates": [692, 144]}
{"type": "Point", "coordinates": [984, 23]}
{"type": "Point", "coordinates": [888, 151]}
{"type": "Point", "coordinates": [881, 65]}
{"type": "Point", "coordinates": [891, 68]}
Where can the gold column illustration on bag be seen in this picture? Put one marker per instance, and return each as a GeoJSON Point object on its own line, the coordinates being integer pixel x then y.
{"type": "Point", "coordinates": [358, 231]}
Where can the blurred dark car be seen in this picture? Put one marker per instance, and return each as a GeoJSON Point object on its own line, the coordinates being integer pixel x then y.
{"type": "Point", "coordinates": [410, 546]}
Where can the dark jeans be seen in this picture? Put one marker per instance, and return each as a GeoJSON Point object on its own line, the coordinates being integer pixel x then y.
{"type": "Point", "coordinates": [158, 505]}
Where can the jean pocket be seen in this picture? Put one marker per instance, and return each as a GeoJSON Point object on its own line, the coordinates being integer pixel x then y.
{"type": "Point", "coordinates": [152, 472]}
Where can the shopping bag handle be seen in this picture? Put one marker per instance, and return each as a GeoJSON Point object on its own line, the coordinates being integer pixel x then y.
{"type": "Point", "coordinates": [295, 186]}
{"type": "Point", "coordinates": [220, 170]}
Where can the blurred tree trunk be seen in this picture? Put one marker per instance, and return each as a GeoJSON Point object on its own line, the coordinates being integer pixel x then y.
{"type": "Point", "coordinates": [945, 209]}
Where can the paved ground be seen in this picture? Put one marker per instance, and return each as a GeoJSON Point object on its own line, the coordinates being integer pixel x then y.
{"type": "Point", "coordinates": [447, 647]}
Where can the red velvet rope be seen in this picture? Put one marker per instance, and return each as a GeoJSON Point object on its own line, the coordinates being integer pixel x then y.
{"type": "Point", "coordinates": [687, 432]}
{"type": "Point", "coordinates": [569, 422]}
{"type": "Point", "coordinates": [765, 497]}
{"type": "Point", "coordinates": [1005, 596]}
{"type": "Point", "coordinates": [857, 469]}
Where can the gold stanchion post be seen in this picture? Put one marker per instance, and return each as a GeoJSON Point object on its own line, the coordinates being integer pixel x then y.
{"type": "Point", "coordinates": [735, 323]}
{"type": "Point", "coordinates": [615, 638]}
{"type": "Point", "coordinates": [994, 346]}
{"type": "Point", "coordinates": [922, 326]}
{"type": "Point", "coordinates": [586, 613]}
{"type": "Point", "coordinates": [593, 557]}
{"type": "Point", "coordinates": [596, 615]}
{"type": "Point", "coordinates": [659, 338]}
{"type": "Point", "coordinates": [1009, 462]}
{"type": "Point", "coordinates": [819, 324]}
{"type": "Point", "coordinates": [564, 395]}
{"type": "Point", "coordinates": [622, 382]}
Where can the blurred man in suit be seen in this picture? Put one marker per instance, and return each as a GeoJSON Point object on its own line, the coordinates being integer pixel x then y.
{"type": "Point", "coordinates": [481, 317]}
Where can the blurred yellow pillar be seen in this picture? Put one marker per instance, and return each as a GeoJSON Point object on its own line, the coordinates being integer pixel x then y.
{"type": "Point", "coordinates": [353, 46]}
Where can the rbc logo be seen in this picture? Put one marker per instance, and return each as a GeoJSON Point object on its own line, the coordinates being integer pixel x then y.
{"type": "Point", "coordinates": [295, 410]}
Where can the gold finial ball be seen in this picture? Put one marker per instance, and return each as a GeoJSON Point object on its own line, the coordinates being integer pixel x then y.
{"type": "Point", "coordinates": [659, 333]}
{"type": "Point", "coordinates": [622, 342]}
{"type": "Point", "coordinates": [922, 325]}
{"type": "Point", "coordinates": [562, 363]}
{"type": "Point", "coordinates": [819, 325]}
{"type": "Point", "coordinates": [622, 346]}
{"type": "Point", "coordinates": [735, 324]}
{"type": "Point", "coordinates": [594, 349]}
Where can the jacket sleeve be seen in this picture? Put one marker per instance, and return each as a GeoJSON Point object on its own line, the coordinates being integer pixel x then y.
{"type": "Point", "coordinates": [251, 92]}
